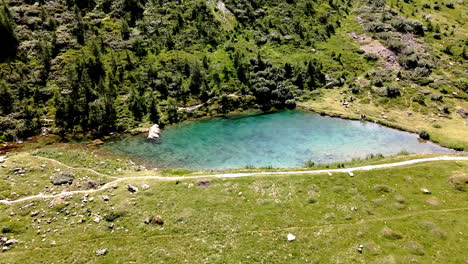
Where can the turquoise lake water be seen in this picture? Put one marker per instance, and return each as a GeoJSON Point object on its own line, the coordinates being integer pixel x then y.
{"type": "Point", "coordinates": [281, 139]}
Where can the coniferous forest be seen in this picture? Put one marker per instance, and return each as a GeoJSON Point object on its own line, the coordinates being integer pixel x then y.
{"type": "Point", "coordinates": [101, 66]}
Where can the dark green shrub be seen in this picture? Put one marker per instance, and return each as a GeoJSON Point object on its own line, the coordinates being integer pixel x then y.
{"type": "Point", "coordinates": [436, 97]}
{"type": "Point", "coordinates": [371, 57]}
{"type": "Point", "coordinates": [381, 188]}
{"type": "Point", "coordinates": [393, 90]}
{"type": "Point", "coordinates": [309, 164]}
{"type": "Point", "coordinates": [424, 135]}
{"type": "Point", "coordinates": [113, 215]}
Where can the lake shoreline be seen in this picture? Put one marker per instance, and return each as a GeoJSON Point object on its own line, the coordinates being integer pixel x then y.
{"type": "Point", "coordinates": [281, 139]}
{"type": "Point", "coordinates": [85, 138]}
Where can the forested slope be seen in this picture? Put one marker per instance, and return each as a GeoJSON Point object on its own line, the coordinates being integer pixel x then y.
{"type": "Point", "coordinates": [101, 66]}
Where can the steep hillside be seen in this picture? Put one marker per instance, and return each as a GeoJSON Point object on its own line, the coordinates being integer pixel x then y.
{"type": "Point", "coordinates": [102, 66]}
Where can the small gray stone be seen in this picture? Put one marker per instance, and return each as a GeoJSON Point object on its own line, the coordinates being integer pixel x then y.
{"type": "Point", "coordinates": [101, 252]}
{"type": "Point", "coordinates": [425, 191]}
{"type": "Point", "coordinates": [11, 242]}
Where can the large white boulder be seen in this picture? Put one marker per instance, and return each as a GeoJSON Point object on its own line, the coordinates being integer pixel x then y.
{"type": "Point", "coordinates": [154, 132]}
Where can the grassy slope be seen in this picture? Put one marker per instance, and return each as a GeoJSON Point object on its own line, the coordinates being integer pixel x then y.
{"type": "Point", "coordinates": [247, 220]}
{"type": "Point", "coordinates": [452, 132]}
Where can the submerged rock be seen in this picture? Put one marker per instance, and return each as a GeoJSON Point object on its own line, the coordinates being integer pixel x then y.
{"type": "Point", "coordinates": [154, 132]}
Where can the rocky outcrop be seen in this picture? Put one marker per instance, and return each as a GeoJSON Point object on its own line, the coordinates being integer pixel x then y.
{"type": "Point", "coordinates": [154, 132]}
{"type": "Point", "coordinates": [62, 178]}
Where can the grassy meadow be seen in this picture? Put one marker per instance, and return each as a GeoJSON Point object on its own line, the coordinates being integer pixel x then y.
{"type": "Point", "coordinates": [242, 220]}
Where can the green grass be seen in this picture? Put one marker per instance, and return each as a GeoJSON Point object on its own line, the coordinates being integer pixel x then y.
{"type": "Point", "coordinates": [247, 220]}
{"type": "Point", "coordinates": [37, 174]}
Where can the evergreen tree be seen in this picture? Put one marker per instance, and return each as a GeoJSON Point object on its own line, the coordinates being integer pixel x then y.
{"type": "Point", "coordinates": [8, 41]}
{"type": "Point", "coordinates": [172, 111]}
{"type": "Point", "coordinates": [135, 104]}
{"type": "Point", "coordinates": [154, 114]}
{"type": "Point", "coordinates": [6, 98]}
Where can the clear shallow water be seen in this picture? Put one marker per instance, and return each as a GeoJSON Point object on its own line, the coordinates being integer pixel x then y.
{"type": "Point", "coordinates": [282, 139]}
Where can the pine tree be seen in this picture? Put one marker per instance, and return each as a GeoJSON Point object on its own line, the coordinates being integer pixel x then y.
{"type": "Point", "coordinates": [6, 98]}
{"type": "Point", "coordinates": [125, 31]}
{"type": "Point", "coordinates": [135, 104]}
{"type": "Point", "coordinates": [154, 114]}
{"type": "Point", "coordinates": [8, 41]}
{"type": "Point", "coordinates": [172, 111]}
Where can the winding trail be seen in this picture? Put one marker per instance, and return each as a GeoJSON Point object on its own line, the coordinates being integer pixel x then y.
{"type": "Point", "coordinates": [73, 168]}
{"type": "Point", "coordinates": [238, 175]}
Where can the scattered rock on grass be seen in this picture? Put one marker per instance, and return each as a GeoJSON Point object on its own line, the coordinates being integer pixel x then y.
{"type": "Point", "coordinates": [5, 243]}
{"type": "Point", "coordinates": [390, 234]}
{"type": "Point", "coordinates": [158, 220]}
{"type": "Point", "coordinates": [459, 181]}
{"type": "Point", "coordinates": [415, 248]}
{"type": "Point", "coordinates": [34, 213]}
{"type": "Point", "coordinates": [425, 191]}
{"type": "Point", "coordinates": [433, 201]}
{"type": "Point", "coordinates": [62, 178]}
{"type": "Point", "coordinates": [204, 183]}
{"type": "Point", "coordinates": [2, 159]}
{"type": "Point", "coordinates": [132, 188]}
{"type": "Point", "coordinates": [101, 252]}
{"type": "Point", "coordinates": [291, 237]}
{"type": "Point", "coordinates": [360, 248]}
{"type": "Point", "coordinates": [382, 188]}
{"type": "Point", "coordinates": [91, 185]}
{"type": "Point", "coordinates": [145, 187]}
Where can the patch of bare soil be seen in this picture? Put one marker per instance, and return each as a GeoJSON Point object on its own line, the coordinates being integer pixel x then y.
{"type": "Point", "coordinates": [372, 46]}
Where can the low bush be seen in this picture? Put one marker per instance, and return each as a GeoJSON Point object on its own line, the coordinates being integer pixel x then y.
{"type": "Point", "coordinates": [459, 181]}
{"type": "Point", "coordinates": [393, 90]}
{"type": "Point", "coordinates": [390, 234]}
{"type": "Point", "coordinates": [113, 215]}
{"type": "Point", "coordinates": [371, 57]}
{"type": "Point", "coordinates": [415, 248]}
{"type": "Point", "coordinates": [424, 135]}
{"type": "Point", "coordinates": [312, 199]}
{"type": "Point", "coordinates": [309, 164]}
{"type": "Point", "coordinates": [381, 188]}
